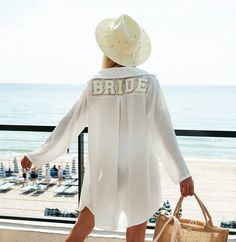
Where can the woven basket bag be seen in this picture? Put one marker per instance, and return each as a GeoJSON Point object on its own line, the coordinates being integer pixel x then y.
{"type": "Point", "coordinates": [171, 228]}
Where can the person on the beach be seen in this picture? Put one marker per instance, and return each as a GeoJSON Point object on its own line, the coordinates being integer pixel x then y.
{"type": "Point", "coordinates": [55, 171]}
{"type": "Point", "coordinates": [60, 175]}
{"type": "Point", "coordinates": [34, 175]}
{"type": "Point", "coordinates": [47, 176]}
{"type": "Point", "coordinates": [9, 172]}
{"type": "Point", "coordinates": [24, 174]}
{"type": "Point", "coordinates": [130, 132]}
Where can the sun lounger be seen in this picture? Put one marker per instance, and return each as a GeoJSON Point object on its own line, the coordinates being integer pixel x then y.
{"type": "Point", "coordinates": [53, 181]}
{"type": "Point", "coordinates": [71, 190]}
{"type": "Point", "coordinates": [74, 176]}
{"type": "Point", "coordinates": [11, 178]}
{"type": "Point", "coordinates": [68, 182]}
{"type": "Point", "coordinates": [43, 181]}
{"type": "Point", "coordinates": [37, 187]}
{"type": "Point", "coordinates": [74, 183]}
{"type": "Point", "coordinates": [60, 189]}
{"type": "Point", "coordinates": [6, 186]}
{"type": "Point", "coordinates": [65, 183]}
{"type": "Point", "coordinates": [14, 179]}
{"type": "Point", "coordinates": [28, 188]}
{"type": "Point", "coordinates": [19, 180]}
{"type": "Point", "coordinates": [41, 187]}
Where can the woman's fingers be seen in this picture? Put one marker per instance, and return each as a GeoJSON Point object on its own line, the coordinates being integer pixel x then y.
{"type": "Point", "coordinates": [191, 192]}
{"type": "Point", "coordinates": [183, 190]}
{"type": "Point", "coordinates": [187, 187]}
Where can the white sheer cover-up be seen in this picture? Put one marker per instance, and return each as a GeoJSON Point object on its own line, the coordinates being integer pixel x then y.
{"type": "Point", "coordinates": [128, 136]}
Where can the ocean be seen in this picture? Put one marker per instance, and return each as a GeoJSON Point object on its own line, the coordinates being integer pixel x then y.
{"type": "Point", "coordinates": [191, 107]}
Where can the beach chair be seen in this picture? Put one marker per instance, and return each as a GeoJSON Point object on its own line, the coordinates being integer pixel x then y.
{"type": "Point", "coordinates": [19, 180]}
{"type": "Point", "coordinates": [53, 181]}
{"type": "Point", "coordinates": [6, 186]}
{"type": "Point", "coordinates": [28, 188]}
{"type": "Point", "coordinates": [68, 182]}
{"type": "Point", "coordinates": [74, 183]}
{"type": "Point", "coordinates": [71, 190]}
{"type": "Point", "coordinates": [14, 179]}
{"type": "Point", "coordinates": [61, 189]}
{"type": "Point", "coordinates": [11, 178]}
{"type": "Point", "coordinates": [74, 176]}
{"type": "Point", "coordinates": [43, 181]}
{"type": "Point", "coordinates": [41, 188]}
{"type": "Point", "coordinates": [37, 187]}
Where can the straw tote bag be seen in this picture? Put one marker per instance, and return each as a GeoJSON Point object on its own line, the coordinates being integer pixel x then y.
{"type": "Point", "coordinates": [171, 228]}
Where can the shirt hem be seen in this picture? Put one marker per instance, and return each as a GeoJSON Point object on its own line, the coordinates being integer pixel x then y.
{"type": "Point", "coordinates": [109, 228]}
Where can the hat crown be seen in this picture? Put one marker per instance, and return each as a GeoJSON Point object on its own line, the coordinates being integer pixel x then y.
{"type": "Point", "coordinates": [125, 34]}
{"type": "Point", "coordinates": [123, 40]}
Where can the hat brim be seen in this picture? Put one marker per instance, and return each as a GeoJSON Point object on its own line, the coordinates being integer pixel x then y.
{"type": "Point", "coordinates": [140, 56]}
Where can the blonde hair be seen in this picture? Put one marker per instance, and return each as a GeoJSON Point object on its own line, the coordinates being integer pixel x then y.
{"type": "Point", "coordinates": [108, 63]}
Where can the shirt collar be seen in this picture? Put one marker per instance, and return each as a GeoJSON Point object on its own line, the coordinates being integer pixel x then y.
{"type": "Point", "coordinates": [117, 72]}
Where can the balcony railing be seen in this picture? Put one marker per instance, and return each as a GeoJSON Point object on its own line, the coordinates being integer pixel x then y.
{"type": "Point", "coordinates": [38, 128]}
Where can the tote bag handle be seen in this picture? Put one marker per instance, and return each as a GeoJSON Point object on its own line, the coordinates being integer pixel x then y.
{"type": "Point", "coordinates": [205, 212]}
{"type": "Point", "coordinates": [176, 229]}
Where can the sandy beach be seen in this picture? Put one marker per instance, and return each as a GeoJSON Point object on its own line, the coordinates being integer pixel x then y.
{"type": "Point", "coordinates": [215, 184]}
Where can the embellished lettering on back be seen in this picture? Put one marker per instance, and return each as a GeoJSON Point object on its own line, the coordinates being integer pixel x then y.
{"type": "Point", "coordinates": [119, 86]}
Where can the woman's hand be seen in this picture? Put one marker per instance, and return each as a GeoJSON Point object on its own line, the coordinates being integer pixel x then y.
{"type": "Point", "coordinates": [187, 187]}
{"type": "Point", "coordinates": [26, 163]}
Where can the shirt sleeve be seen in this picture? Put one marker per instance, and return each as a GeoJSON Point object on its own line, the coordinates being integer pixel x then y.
{"type": "Point", "coordinates": [166, 148]}
{"type": "Point", "coordinates": [70, 126]}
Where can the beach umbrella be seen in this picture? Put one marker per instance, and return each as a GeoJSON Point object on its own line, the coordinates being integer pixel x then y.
{"type": "Point", "coordinates": [47, 166]}
{"type": "Point", "coordinates": [158, 211]}
{"type": "Point", "coordinates": [180, 212]}
{"type": "Point", "coordinates": [167, 207]}
{"type": "Point", "coordinates": [73, 170]}
{"type": "Point", "coordinates": [164, 208]}
{"type": "Point", "coordinates": [67, 171]}
{"type": "Point", "coordinates": [16, 167]}
{"type": "Point", "coordinates": [47, 173]}
{"type": "Point", "coordinates": [40, 173]}
{"type": "Point", "coordinates": [2, 172]}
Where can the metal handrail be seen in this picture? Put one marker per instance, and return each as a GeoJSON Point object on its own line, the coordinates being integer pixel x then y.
{"type": "Point", "coordinates": [178, 132]}
{"type": "Point", "coordinates": [40, 128]}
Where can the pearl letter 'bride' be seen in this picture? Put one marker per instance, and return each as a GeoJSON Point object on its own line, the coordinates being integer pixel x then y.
{"type": "Point", "coordinates": [119, 86]}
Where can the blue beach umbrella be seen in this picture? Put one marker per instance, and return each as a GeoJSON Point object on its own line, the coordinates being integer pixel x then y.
{"type": "Point", "coordinates": [2, 172]}
{"type": "Point", "coordinates": [73, 170]}
{"type": "Point", "coordinates": [167, 207]}
{"type": "Point", "coordinates": [47, 166]}
{"type": "Point", "coordinates": [16, 167]}
{"type": "Point", "coordinates": [67, 176]}
{"type": "Point", "coordinates": [158, 211]}
{"type": "Point", "coordinates": [40, 173]}
{"type": "Point", "coordinates": [180, 212]}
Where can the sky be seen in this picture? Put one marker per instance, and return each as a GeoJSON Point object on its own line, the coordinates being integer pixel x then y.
{"type": "Point", "coordinates": [53, 41]}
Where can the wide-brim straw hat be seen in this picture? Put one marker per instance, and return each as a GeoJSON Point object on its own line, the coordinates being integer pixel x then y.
{"type": "Point", "coordinates": [123, 40]}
